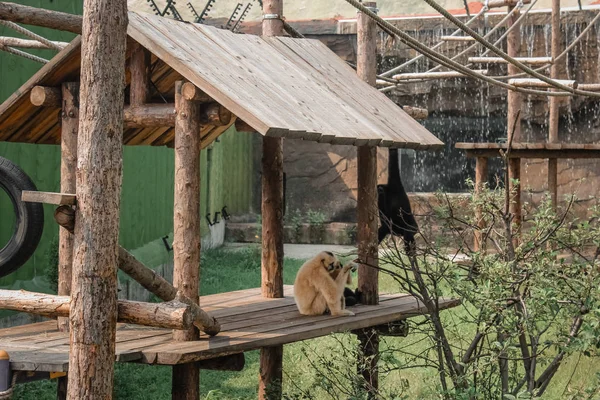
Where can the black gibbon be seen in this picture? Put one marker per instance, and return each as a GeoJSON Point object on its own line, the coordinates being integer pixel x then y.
{"type": "Point", "coordinates": [395, 213]}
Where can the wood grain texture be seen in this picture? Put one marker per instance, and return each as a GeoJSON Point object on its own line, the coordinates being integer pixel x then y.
{"type": "Point", "coordinates": [140, 69]}
{"type": "Point", "coordinates": [44, 96]}
{"type": "Point", "coordinates": [186, 225]}
{"type": "Point", "coordinates": [58, 199]}
{"type": "Point", "coordinates": [68, 169]}
{"type": "Point", "coordinates": [172, 315]}
{"type": "Point", "coordinates": [367, 218]}
{"type": "Point", "coordinates": [554, 103]}
{"type": "Point", "coordinates": [40, 17]}
{"type": "Point", "coordinates": [99, 151]}
{"type": "Point", "coordinates": [481, 175]}
{"type": "Point", "coordinates": [250, 322]}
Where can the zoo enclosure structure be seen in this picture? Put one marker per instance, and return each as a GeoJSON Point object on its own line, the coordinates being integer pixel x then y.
{"type": "Point", "coordinates": [278, 87]}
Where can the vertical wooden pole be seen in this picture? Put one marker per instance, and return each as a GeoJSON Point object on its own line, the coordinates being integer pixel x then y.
{"type": "Point", "coordinates": [186, 230]}
{"type": "Point", "coordinates": [68, 167]}
{"type": "Point", "coordinates": [139, 88]}
{"type": "Point", "coordinates": [481, 175]}
{"type": "Point", "coordinates": [99, 166]}
{"type": "Point", "coordinates": [553, 117]}
{"type": "Point", "coordinates": [271, 358]}
{"type": "Point", "coordinates": [513, 42]}
{"type": "Point", "coordinates": [368, 212]}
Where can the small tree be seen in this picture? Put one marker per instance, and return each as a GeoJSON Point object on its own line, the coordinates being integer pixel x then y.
{"type": "Point", "coordinates": [529, 299]}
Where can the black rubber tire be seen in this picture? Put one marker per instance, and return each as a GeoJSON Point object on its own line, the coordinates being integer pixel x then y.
{"type": "Point", "coordinates": [29, 222]}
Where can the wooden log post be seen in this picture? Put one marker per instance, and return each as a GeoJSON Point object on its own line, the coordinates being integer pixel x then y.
{"type": "Point", "coordinates": [481, 175]}
{"type": "Point", "coordinates": [99, 151]}
{"type": "Point", "coordinates": [68, 168]}
{"type": "Point", "coordinates": [271, 358]}
{"type": "Point", "coordinates": [27, 44]}
{"type": "Point", "coordinates": [40, 17]}
{"type": "Point", "coordinates": [513, 115]}
{"type": "Point", "coordinates": [44, 96]}
{"type": "Point", "coordinates": [368, 284]}
{"type": "Point", "coordinates": [186, 234]}
{"type": "Point", "coordinates": [554, 116]}
{"type": "Point", "coordinates": [170, 315]}
{"type": "Point", "coordinates": [139, 68]}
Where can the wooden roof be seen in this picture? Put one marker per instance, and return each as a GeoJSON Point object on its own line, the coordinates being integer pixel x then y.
{"type": "Point", "coordinates": [248, 322]}
{"type": "Point", "coordinates": [294, 88]}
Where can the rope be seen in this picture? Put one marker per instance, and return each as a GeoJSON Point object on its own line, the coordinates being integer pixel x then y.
{"type": "Point", "coordinates": [487, 35]}
{"type": "Point", "coordinates": [505, 56]}
{"type": "Point", "coordinates": [561, 55]}
{"type": "Point", "coordinates": [14, 51]}
{"type": "Point", "coordinates": [292, 31]}
{"type": "Point", "coordinates": [7, 394]}
{"type": "Point", "coordinates": [417, 58]}
{"type": "Point", "coordinates": [440, 58]}
{"type": "Point", "coordinates": [23, 31]}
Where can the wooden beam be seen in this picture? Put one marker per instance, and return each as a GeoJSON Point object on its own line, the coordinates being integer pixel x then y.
{"type": "Point", "coordinates": [537, 153]}
{"type": "Point", "coordinates": [215, 114]}
{"type": "Point", "coordinates": [193, 93]}
{"type": "Point", "coordinates": [368, 274]}
{"type": "Point", "coordinates": [170, 315]}
{"type": "Point", "coordinates": [592, 87]}
{"type": "Point", "coordinates": [242, 126]}
{"type": "Point", "coordinates": [457, 38]}
{"type": "Point", "coordinates": [536, 83]}
{"type": "Point", "coordinates": [68, 168]}
{"type": "Point", "coordinates": [149, 116]}
{"type": "Point", "coordinates": [139, 67]}
{"type": "Point", "coordinates": [505, 3]}
{"type": "Point", "coordinates": [271, 358]}
{"type": "Point", "coordinates": [27, 44]}
{"type": "Point", "coordinates": [40, 17]}
{"type": "Point", "coordinates": [186, 234]}
{"type": "Point", "coordinates": [146, 277]}
{"type": "Point", "coordinates": [99, 167]}
{"type": "Point", "coordinates": [44, 96]}
{"type": "Point", "coordinates": [416, 112]}
{"type": "Point", "coordinates": [434, 75]}
{"type": "Point", "coordinates": [49, 198]}
{"type": "Point", "coordinates": [234, 362]}
{"type": "Point", "coordinates": [500, 60]}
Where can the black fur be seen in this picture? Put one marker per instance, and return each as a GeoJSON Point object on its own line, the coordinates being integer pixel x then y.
{"type": "Point", "coordinates": [395, 212]}
{"type": "Point", "coordinates": [352, 297]}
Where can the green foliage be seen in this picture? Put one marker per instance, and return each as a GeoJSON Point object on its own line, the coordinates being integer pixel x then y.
{"type": "Point", "coordinates": [50, 271]}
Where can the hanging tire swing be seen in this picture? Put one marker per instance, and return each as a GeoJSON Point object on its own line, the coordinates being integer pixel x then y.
{"type": "Point", "coordinates": [29, 221]}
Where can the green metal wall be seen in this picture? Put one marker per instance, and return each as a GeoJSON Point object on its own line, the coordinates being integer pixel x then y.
{"type": "Point", "coordinates": [147, 196]}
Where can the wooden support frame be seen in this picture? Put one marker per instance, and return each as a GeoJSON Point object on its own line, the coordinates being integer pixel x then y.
{"type": "Point", "coordinates": [367, 219]}
{"type": "Point", "coordinates": [409, 76]}
{"type": "Point", "coordinates": [505, 3]}
{"type": "Point", "coordinates": [481, 175]}
{"type": "Point", "coordinates": [68, 169]}
{"type": "Point", "coordinates": [186, 234]}
{"type": "Point", "coordinates": [170, 315]}
{"type": "Point", "coordinates": [554, 104]}
{"type": "Point", "coordinates": [536, 83]}
{"type": "Point", "coordinates": [27, 44]}
{"type": "Point", "coordinates": [271, 358]}
{"type": "Point", "coordinates": [500, 60]}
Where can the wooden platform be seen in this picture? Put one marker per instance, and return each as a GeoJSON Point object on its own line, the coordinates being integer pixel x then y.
{"type": "Point", "coordinates": [532, 150]}
{"type": "Point", "coordinates": [248, 322]}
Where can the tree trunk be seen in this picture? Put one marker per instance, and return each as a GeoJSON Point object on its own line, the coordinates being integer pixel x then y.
{"type": "Point", "coordinates": [368, 213]}
{"type": "Point", "coordinates": [68, 168]}
{"type": "Point", "coordinates": [99, 168]}
{"type": "Point", "coordinates": [271, 359]}
{"type": "Point", "coordinates": [554, 107]}
{"type": "Point", "coordinates": [186, 234]}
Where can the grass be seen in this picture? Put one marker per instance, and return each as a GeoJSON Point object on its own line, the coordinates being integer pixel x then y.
{"type": "Point", "coordinates": [224, 271]}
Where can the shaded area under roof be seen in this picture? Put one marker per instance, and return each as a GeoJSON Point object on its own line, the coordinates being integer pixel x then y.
{"type": "Point", "coordinates": [293, 88]}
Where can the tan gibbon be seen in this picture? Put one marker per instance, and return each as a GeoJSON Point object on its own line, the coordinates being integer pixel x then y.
{"type": "Point", "coordinates": [316, 291]}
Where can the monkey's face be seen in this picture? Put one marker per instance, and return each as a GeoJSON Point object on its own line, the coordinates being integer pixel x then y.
{"type": "Point", "coordinates": [329, 261]}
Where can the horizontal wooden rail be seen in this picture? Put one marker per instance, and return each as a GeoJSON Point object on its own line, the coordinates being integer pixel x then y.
{"type": "Point", "coordinates": [26, 43]}
{"type": "Point", "coordinates": [536, 83]}
{"type": "Point", "coordinates": [170, 315]}
{"type": "Point", "coordinates": [500, 60]}
{"type": "Point", "coordinates": [434, 75]}
{"type": "Point", "coordinates": [457, 39]}
{"type": "Point", "coordinates": [505, 3]}
{"type": "Point", "coordinates": [58, 199]}
{"type": "Point", "coordinates": [416, 112]}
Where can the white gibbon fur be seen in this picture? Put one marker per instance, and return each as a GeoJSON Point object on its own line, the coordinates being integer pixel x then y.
{"type": "Point", "coordinates": [316, 291]}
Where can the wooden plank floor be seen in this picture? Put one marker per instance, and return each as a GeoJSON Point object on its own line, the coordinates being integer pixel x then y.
{"type": "Point", "coordinates": [248, 322]}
